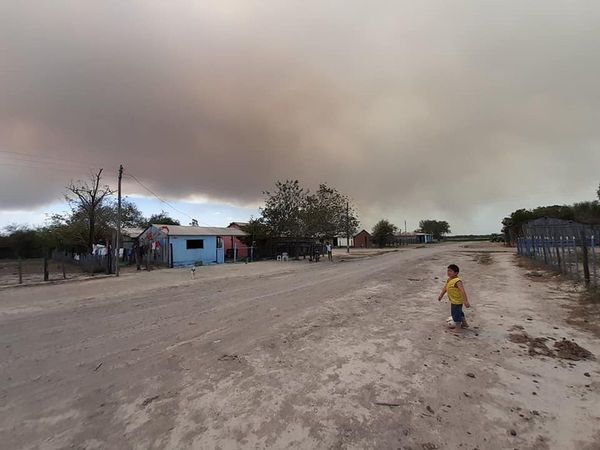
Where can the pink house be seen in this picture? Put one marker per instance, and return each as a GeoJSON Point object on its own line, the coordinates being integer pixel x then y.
{"type": "Point", "coordinates": [231, 242]}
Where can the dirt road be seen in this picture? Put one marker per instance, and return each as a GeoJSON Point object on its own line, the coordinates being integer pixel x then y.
{"type": "Point", "coordinates": [348, 355]}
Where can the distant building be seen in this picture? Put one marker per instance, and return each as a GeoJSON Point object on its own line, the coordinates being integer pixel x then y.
{"type": "Point", "coordinates": [176, 245]}
{"type": "Point", "coordinates": [363, 239]}
{"type": "Point", "coordinates": [413, 238]}
{"type": "Point", "coordinates": [129, 236]}
{"type": "Point", "coordinates": [235, 249]}
{"type": "Point", "coordinates": [342, 241]}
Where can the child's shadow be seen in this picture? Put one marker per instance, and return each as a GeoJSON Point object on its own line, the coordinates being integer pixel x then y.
{"type": "Point", "coordinates": [466, 333]}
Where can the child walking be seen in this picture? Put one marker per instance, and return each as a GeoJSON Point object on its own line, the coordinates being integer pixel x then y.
{"type": "Point", "coordinates": [456, 294]}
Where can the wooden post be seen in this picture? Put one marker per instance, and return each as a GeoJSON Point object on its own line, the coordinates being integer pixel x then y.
{"type": "Point", "coordinates": [118, 246]}
{"type": "Point", "coordinates": [46, 274]}
{"type": "Point", "coordinates": [138, 256]}
{"type": "Point", "coordinates": [557, 248]}
{"type": "Point", "coordinates": [544, 249]}
{"type": "Point", "coordinates": [594, 259]}
{"type": "Point", "coordinates": [567, 255]}
{"type": "Point", "coordinates": [63, 269]}
{"type": "Point", "coordinates": [562, 251]}
{"type": "Point", "coordinates": [584, 255]}
{"type": "Point", "coordinates": [347, 227]}
{"type": "Point", "coordinates": [574, 246]}
{"type": "Point", "coordinates": [20, 270]}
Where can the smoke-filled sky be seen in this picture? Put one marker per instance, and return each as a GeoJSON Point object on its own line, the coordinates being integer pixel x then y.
{"type": "Point", "coordinates": [456, 110]}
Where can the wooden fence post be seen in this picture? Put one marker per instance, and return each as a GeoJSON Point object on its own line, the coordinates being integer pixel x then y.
{"type": "Point", "coordinates": [569, 253]}
{"type": "Point", "coordinates": [584, 255]}
{"type": "Point", "coordinates": [20, 270]}
{"type": "Point", "coordinates": [46, 274]}
{"type": "Point", "coordinates": [557, 249]}
{"type": "Point", "coordinates": [594, 258]}
{"type": "Point", "coordinates": [574, 240]}
{"type": "Point", "coordinates": [562, 251]}
{"type": "Point", "coordinates": [544, 249]}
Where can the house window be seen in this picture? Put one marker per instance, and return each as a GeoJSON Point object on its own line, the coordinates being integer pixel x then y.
{"type": "Point", "coordinates": [194, 243]}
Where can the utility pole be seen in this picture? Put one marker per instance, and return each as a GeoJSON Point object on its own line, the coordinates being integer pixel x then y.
{"type": "Point", "coordinates": [118, 222]}
{"type": "Point", "coordinates": [347, 226]}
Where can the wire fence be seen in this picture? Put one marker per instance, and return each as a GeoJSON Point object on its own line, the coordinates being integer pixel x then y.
{"type": "Point", "coordinates": [87, 263]}
{"type": "Point", "coordinates": [39, 270]}
{"type": "Point", "coordinates": [569, 247]}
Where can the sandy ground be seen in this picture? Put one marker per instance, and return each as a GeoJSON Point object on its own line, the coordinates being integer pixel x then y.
{"type": "Point", "coordinates": [342, 355]}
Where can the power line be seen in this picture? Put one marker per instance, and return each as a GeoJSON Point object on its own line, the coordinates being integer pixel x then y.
{"type": "Point", "coordinates": [43, 159]}
{"type": "Point", "coordinates": [35, 167]}
{"type": "Point", "coordinates": [32, 163]}
{"type": "Point", "coordinates": [42, 164]}
{"type": "Point", "coordinates": [130, 175]}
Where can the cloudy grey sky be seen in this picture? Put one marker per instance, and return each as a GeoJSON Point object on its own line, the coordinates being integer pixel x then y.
{"type": "Point", "coordinates": [457, 110]}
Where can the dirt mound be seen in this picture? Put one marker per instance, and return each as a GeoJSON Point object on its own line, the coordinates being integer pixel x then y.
{"type": "Point", "coordinates": [571, 350]}
{"type": "Point", "coordinates": [519, 338]}
{"type": "Point", "coordinates": [537, 346]}
{"type": "Point", "coordinates": [563, 349]}
{"type": "Point", "coordinates": [483, 258]}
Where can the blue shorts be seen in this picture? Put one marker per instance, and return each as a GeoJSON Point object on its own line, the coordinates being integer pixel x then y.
{"type": "Point", "coordinates": [457, 313]}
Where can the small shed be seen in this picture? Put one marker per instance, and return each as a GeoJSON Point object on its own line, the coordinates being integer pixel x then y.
{"type": "Point", "coordinates": [177, 245]}
{"type": "Point", "coordinates": [363, 239]}
{"type": "Point", "coordinates": [235, 249]}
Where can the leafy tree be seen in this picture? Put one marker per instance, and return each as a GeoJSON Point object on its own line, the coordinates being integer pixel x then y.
{"type": "Point", "coordinates": [131, 216]}
{"type": "Point", "coordinates": [292, 211]}
{"type": "Point", "coordinates": [162, 218]}
{"type": "Point", "coordinates": [256, 230]}
{"type": "Point", "coordinates": [383, 233]}
{"type": "Point", "coordinates": [587, 212]}
{"type": "Point", "coordinates": [438, 228]}
{"type": "Point", "coordinates": [87, 198]}
{"type": "Point", "coordinates": [329, 214]}
{"type": "Point", "coordinates": [283, 211]}
{"type": "Point", "coordinates": [24, 241]}
{"type": "Point", "coordinates": [584, 212]}
{"type": "Point", "coordinates": [70, 231]}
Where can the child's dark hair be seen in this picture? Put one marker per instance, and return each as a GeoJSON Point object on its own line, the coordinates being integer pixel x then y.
{"type": "Point", "coordinates": [454, 268]}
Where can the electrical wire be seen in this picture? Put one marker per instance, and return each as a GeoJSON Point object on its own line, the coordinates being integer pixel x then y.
{"type": "Point", "coordinates": [43, 159]}
{"type": "Point", "coordinates": [35, 167]}
{"type": "Point", "coordinates": [133, 177]}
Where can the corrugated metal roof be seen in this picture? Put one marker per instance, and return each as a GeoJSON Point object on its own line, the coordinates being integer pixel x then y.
{"type": "Point", "coordinates": [239, 224]}
{"type": "Point", "coordinates": [132, 232]}
{"type": "Point", "coordinates": [181, 230]}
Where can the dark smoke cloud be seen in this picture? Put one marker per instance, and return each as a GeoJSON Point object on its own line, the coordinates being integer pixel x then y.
{"type": "Point", "coordinates": [457, 110]}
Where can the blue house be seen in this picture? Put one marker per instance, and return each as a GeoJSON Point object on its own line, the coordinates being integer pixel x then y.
{"type": "Point", "coordinates": [176, 245]}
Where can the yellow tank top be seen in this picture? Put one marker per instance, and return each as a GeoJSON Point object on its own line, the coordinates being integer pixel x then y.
{"type": "Point", "coordinates": [454, 293]}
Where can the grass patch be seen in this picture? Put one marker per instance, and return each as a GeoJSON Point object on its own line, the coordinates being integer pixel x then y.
{"type": "Point", "coordinates": [592, 295]}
